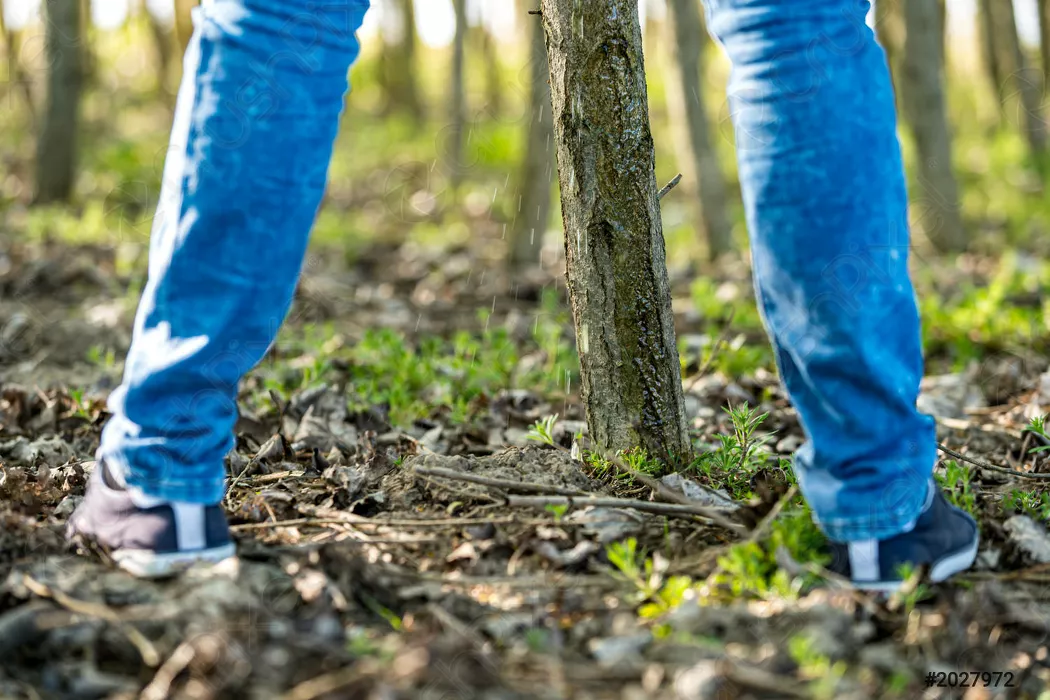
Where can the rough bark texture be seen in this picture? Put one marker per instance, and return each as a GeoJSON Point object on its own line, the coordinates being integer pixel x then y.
{"type": "Point", "coordinates": [614, 244]}
{"type": "Point", "coordinates": [924, 109]}
{"type": "Point", "coordinates": [534, 185]}
{"type": "Point", "coordinates": [697, 159]}
{"type": "Point", "coordinates": [56, 149]}
{"type": "Point", "coordinates": [457, 95]}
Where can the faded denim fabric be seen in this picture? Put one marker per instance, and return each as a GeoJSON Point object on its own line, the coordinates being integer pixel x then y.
{"type": "Point", "coordinates": [824, 195]}
{"type": "Point", "coordinates": [257, 114]}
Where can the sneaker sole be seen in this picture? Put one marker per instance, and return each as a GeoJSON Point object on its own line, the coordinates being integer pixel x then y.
{"type": "Point", "coordinates": [942, 569]}
{"type": "Point", "coordinates": [144, 563]}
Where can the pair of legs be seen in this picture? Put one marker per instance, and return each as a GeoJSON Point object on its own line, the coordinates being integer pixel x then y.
{"type": "Point", "coordinates": [823, 186]}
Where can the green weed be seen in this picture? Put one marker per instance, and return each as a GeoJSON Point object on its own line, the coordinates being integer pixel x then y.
{"type": "Point", "coordinates": [956, 483]}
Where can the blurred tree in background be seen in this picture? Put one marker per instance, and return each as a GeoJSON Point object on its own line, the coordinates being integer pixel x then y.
{"type": "Point", "coordinates": [57, 144]}
{"type": "Point", "coordinates": [450, 118]}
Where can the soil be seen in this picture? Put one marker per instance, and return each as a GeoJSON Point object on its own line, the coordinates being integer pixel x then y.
{"type": "Point", "coordinates": [358, 576]}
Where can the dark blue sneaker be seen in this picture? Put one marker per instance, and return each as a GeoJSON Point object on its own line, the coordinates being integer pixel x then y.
{"type": "Point", "coordinates": [147, 537]}
{"type": "Point", "coordinates": [944, 537]}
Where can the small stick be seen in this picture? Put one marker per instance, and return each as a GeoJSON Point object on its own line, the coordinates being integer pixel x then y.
{"type": "Point", "coordinates": [393, 522]}
{"type": "Point", "coordinates": [760, 530]}
{"type": "Point", "coordinates": [669, 186]}
{"type": "Point", "coordinates": [674, 497]}
{"type": "Point", "coordinates": [991, 467]}
{"type": "Point", "coordinates": [676, 509]}
{"type": "Point", "coordinates": [508, 484]}
{"type": "Point", "coordinates": [146, 650]}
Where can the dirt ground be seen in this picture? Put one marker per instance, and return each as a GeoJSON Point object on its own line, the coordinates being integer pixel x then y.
{"type": "Point", "coordinates": [379, 563]}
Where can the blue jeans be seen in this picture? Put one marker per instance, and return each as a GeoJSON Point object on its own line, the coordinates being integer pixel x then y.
{"type": "Point", "coordinates": [826, 206]}
{"type": "Point", "coordinates": [257, 114]}
{"type": "Point", "coordinates": [821, 174]}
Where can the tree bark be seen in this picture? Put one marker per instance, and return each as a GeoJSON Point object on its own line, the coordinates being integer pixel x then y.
{"type": "Point", "coordinates": [1027, 86]}
{"type": "Point", "coordinates": [534, 187]}
{"type": "Point", "coordinates": [698, 160]}
{"type": "Point", "coordinates": [56, 146]}
{"type": "Point", "coordinates": [457, 96]}
{"type": "Point", "coordinates": [924, 109]}
{"type": "Point", "coordinates": [615, 260]}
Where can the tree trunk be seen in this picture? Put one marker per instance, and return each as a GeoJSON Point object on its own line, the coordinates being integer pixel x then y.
{"type": "Point", "coordinates": [16, 75]}
{"type": "Point", "coordinates": [163, 47]}
{"type": "Point", "coordinates": [184, 23]}
{"type": "Point", "coordinates": [458, 97]}
{"type": "Point", "coordinates": [924, 109]}
{"type": "Point", "coordinates": [889, 29]}
{"type": "Point", "coordinates": [56, 146]}
{"type": "Point", "coordinates": [697, 159]}
{"type": "Point", "coordinates": [1023, 81]}
{"type": "Point", "coordinates": [990, 52]}
{"type": "Point", "coordinates": [1044, 41]}
{"type": "Point", "coordinates": [615, 264]}
{"type": "Point", "coordinates": [398, 70]}
{"type": "Point", "coordinates": [534, 188]}
{"type": "Point", "coordinates": [486, 47]}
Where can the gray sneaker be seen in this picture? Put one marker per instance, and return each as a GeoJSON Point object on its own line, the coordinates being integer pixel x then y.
{"type": "Point", "coordinates": [152, 542]}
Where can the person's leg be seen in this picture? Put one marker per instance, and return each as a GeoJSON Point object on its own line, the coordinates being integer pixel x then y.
{"type": "Point", "coordinates": [824, 193]}
{"type": "Point", "coordinates": [257, 115]}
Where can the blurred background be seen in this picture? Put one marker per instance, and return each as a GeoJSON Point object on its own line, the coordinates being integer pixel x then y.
{"type": "Point", "coordinates": [442, 216]}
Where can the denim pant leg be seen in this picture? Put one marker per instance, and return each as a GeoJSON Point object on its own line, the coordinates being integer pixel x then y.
{"type": "Point", "coordinates": [256, 118]}
{"type": "Point", "coordinates": [824, 194]}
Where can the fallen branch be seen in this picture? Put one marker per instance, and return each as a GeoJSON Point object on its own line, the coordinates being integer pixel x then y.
{"type": "Point", "coordinates": [991, 467]}
{"type": "Point", "coordinates": [508, 484]}
{"type": "Point", "coordinates": [675, 509]}
{"type": "Point", "coordinates": [145, 647]}
{"type": "Point", "coordinates": [668, 494]}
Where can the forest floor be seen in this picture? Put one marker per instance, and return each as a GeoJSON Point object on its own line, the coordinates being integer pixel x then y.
{"type": "Point", "coordinates": [404, 530]}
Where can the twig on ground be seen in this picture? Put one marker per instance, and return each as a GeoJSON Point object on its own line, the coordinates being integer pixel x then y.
{"type": "Point", "coordinates": [669, 186]}
{"type": "Point", "coordinates": [754, 677]}
{"type": "Point", "coordinates": [672, 496]}
{"type": "Point", "coordinates": [145, 647]}
{"type": "Point", "coordinates": [991, 467]}
{"type": "Point", "coordinates": [508, 484]}
{"type": "Point", "coordinates": [675, 509]}
{"type": "Point", "coordinates": [760, 530]}
{"type": "Point", "coordinates": [160, 687]}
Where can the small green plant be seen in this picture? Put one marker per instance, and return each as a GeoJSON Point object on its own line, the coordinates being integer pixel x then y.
{"type": "Point", "coordinates": [956, 482]}
{"type": "Point", "coordinates": [655, 594]}
{"type": "Point", "coordinates": [543, 430]}
{"type": "Point", "coordinates": [750, 569]}
{"type": "Point", "coordinates": [1038, 426]}
{"type": "Point", "coordinates": [817, 668]}
{"type": "Point", "coordinates": [105, 358]}
{"type": "Point", "coordinates": [80, 407]}
{"type": "Point", "coordinates": [739, 455]}
{"type": "Point", "coordinates": [558, 511]}
{"type": "Point", "coordinates": [1031, 503]}
{"type": "Point", "coordinates": [911, 595]}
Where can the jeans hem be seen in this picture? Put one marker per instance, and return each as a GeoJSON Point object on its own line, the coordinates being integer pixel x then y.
{"type": "Point", "coordinates": [201, 492]}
